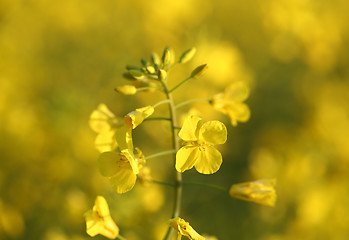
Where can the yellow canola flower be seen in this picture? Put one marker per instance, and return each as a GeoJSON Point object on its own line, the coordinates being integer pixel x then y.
{"type": "Point", "coordinates": [104, 122]}
{"type": "Point", "coordinates": [260, 191]}
{"type": "Point", "coordinates": [231, 102]}
{"type": "Point", "coordinates": [199, 140]}
{"type": "Point", "coordinates": [121, 168]}
{"type": "Point", "coordinates": [134, 118]}
{"type": "Point", "coordinates": [184, 229]}
{"type": "Point", "coordinates": [99, 221]}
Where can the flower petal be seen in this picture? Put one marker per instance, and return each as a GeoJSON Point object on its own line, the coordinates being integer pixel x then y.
{"type": "Point", "coordinates": [129, 156]}
{"type": "Point", "coordinates": [123, 137]}
{"type": "Point", "coordinates": [238, 112]}
{"type": "Point", "coordinates": [101, 206]}
{"type": "Point", "coordinates": [105, 141]}
{"type": "Point", "coordinates": [107, 227]}
{"type": "Point", "coordinates": [237, 91]}
{"type": "Point", "coordinates": [101, 119]}
{"type": "Point", "coordinates": [133, 119]}
{"type": "Point", "coordinates": [209, 160]}
{"type": "Point", "coordinates": [184, 229]}
{"type": "Point", "coordinates": [99, 221]}
{"type": "Point", "coordinates": [190, 128]}
{"type": "Point", "coordinates": [124, 179]}
{"type": "Point", "coordinates": [107, 163]}
{"type": "Point", "coordinates": [186, 158]}
{"type": "Point", "coordinates": [213, 132]}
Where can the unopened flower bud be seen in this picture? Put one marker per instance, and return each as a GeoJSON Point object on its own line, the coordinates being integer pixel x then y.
{"type": "Point", "coordinates": [261, 191]}
{"type": "Point", "coordinates": [144, 62]}
{"type": "Point", "coordinates": [166, 56]}
{"type": "Point", "coordinates": [187, 55]}
{"type": "Point", "coordinates": [137, 74]}
{"type": "Point", "coordinates": [197, 72]}
{"type": "Point", "coordinates": [155, 59]}
{"type": "Point", "coordinates": [162, 74]}
{"type": "Point", "coordinates": [126, 89]}
{"type": "Point", "coordinates": [150, 69]}
{"type": "Point", "coordinates": [132, 67]}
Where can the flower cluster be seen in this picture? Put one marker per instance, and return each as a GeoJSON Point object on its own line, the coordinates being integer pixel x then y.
{"type": "Point", "coordinates": [194, 145]}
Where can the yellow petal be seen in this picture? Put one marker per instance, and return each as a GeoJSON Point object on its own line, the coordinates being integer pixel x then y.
{"type": "Point", "coordinates": [129, 156]}
{"type": "Point", "coordinates": [237, 91]}
{"type": "Point", "coordinates": [98, 220]}
{"type": "Point", "coordinates": [107, 228]}
{"type": "Point", "coordinates": [105, 141]}
{"type": "Point", "coordinates": [108, 163]}
{"type": "Point", "coordinates": [189, 130]}
{"type": "Point", "coordinates": [209, 160]}
{"type": "Point", "coordinates": [184, 229]}
{"type": "Point", "coordinates": [133, 119]}
{"type": "Point", "coordinates": [124, 179]}
{"type": "Point", "coordinates": [186, 158]}
{"type": "Point", "coordinates": [101, 206]}
{"type": "Point", "coordinates": [123, 137]}
{"type": "Point", "coordinates": [239, 112]}
{"type": "Point", "coordinates": [92, 225]}
{"type": "Point", "coordinates": [102, 119]}
{"type": "Point", "coordinates": [213, 132]}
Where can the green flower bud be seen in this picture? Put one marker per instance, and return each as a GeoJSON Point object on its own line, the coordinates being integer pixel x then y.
{"type": "Point", "coordinates": [187, 55]}
{"type": "Point", "coordinates": [132, 67]}
{"type": "Point", "coordinates": [128, 76]}
{"type": "Point", "coordinates": [137, 74]}
{"type": "Point", "coordinates": [144, 62]}
{"type": "Point", "coordinates": [166, 56]}
{"type": "Point", "coordinates": [197, 72]}
{"type": "Point", "coordinates": [155, 59]}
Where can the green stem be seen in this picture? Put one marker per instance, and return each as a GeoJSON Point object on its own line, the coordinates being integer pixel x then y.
{"type": "Point", "coordinates": [161, 102]}
{"type": "Point", "coordinates": [179, 84]}
{"type": "Point", "coordinates": [175, 145]}
{"type": "Point", "coordinates": [206, 185]}
{"type": "Point", "coordinates": [179, 105]}
{"type": "Point", "coordinates": [163, 183]}
{"type": "Point", "coordinates": [157, 118]}
{"type": "Point", "coordinates": [167, 152]}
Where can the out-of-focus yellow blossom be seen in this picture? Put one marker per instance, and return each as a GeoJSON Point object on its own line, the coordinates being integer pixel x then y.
{"type": "Point", "coordinates": [126, 89]}
{"type": "Point", "coordinates": [261, 191]}
{"type": "Point", "coordinates": [11, 221]}
{"type": "Point", "coordinates": [144, 176]}
{"type": "Point", "coordinates": [231, 102]}
{"type": "Point", "coordinates": [122, 167]}
{"type": "Point", "coordinates": [99, 221]}
{"type": "Point", "coordinates": [198, 149]}
{"type": "Point", "coordinates": [134, 118]}
{"type": "Point", "coordinates": [184, 229]}
{"type": "Point", "coordinates": [192, 111]}
{"type": "Point", "coordinates": [104, 122]}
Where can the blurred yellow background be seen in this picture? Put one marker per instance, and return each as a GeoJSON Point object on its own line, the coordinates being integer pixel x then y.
{"type": "Point", "coordinates": [60, 59]}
